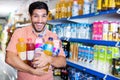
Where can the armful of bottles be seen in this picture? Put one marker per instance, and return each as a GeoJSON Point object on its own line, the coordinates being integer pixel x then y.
{"type": "Point", "coordinates": [28, 51]}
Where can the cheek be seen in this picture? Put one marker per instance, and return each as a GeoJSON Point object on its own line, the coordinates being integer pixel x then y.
{"type": "Point", "coordinates": [34, 20]}
{"type": "Point", "coordinates": [44, 20]}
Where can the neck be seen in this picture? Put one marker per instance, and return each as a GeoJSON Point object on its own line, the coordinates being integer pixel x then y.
{"type": "Point", "coordinates": [40, 33]}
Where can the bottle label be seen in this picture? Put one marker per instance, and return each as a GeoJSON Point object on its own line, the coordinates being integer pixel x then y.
{"type": "Point", "coordinates": [30, 55]}
{"type": "Point", "coordinates": [38, 52]}
{"type": "Point", "coordinates": [55, 51]}
{"type": "Point", "coordinates": [48, 47]}
{"type": "Point", "coordinates": [38, 45]}
{"type": "Point", "coordinates": [22, 55]}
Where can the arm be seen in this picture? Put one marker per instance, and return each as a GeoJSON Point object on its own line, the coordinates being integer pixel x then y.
{"type": "Point", "coordinates": [13, 60]}
{"type": "Point", "coordinates": [57, 61]}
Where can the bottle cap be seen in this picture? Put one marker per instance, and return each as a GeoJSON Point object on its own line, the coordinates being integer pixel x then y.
{"type": "Point", "coordinates": [29, 39]}
{"type": "Point", "coordinates": [21, 39]}
{"type": "Point", "coordinates": [40, 35]}
{"type": "Point", "coordinates": [50, 38]}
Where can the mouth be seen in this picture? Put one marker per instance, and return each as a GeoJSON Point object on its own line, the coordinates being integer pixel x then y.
{"type": "Point", "coordinates": [39, 25]}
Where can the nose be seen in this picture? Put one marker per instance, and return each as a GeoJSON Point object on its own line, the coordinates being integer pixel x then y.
{"type": "Point", "coordinates": [40, 19]}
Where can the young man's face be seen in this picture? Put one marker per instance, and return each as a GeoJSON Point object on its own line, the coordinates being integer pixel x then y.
{"type": "Point", "coordinates": [39, 19]}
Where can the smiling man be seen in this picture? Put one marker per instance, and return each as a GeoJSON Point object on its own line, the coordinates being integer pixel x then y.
{"type": "Point", "coordinates": [38, 13]}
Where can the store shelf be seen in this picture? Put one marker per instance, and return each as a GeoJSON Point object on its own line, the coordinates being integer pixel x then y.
{"type": "Point", "coordinates": [90, 70]}
{"type": "Point", "coordinates": [97, 42]}
{"type": "Point", "coordinates": [82, 66]}
{"type": "Point", "coordinates": [111, 11]}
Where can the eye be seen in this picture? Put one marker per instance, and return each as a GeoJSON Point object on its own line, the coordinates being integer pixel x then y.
{"type": "Point", "coordinates": [44, 15]}
{"type": "Point", "coordinates": [35, 16]}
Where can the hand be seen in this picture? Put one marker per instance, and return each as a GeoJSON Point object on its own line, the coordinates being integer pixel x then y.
{"type": "Point", "coordinates": [40, 71]}
{"type": "Point", "coordinates": [42, 60]}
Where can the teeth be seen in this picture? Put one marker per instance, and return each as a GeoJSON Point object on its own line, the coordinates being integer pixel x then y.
{"type": "Point", "coordinates": [39, 24]}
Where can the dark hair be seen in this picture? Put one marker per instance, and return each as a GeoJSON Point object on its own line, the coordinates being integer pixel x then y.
{"type": "Point", "coordinates": [37, 5]}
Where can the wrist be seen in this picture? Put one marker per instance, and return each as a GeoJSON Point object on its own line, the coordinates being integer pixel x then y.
{"type": "Point", "coordinates": [50, 59]}
{"type": "Point", "coordinates": [31, 70]}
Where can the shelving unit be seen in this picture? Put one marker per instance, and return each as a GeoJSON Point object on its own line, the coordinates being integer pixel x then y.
{"type": "Point", "coordinates": [79, 65]}
{"type": "Point", "coordinates": [89, 69]}
{"type": "Point", "coordinates": [97, 42]}
{"type": "Point", "coordinates": [111, 11]}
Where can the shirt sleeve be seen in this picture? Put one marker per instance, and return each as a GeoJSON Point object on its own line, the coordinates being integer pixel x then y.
{"type": "Point", "coordinates": [13, 41]}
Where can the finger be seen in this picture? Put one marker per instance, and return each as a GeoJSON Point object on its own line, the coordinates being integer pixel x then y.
{"type": "Point", "coordinates": [35, 59]}
{"type": "Point", "coordinates": [36, 62]}
{"type": "Point", "coordinates": [40, 72]}
{"type": "Point", "coordinates": [42, 65]}
{"type": "Point", "coordinates": [45, 69]}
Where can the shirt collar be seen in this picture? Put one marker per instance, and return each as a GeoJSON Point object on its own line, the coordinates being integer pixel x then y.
{"type": "Point", "coordinates": [42, 33]}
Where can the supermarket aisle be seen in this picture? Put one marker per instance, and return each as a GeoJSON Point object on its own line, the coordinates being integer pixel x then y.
{"type": "Point", "coordinates": [6, 71]}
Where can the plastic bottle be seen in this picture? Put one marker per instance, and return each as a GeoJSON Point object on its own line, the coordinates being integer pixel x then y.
{"type": "Point", "coordinates": [56, 48]}
{"type": "Point", "coordinates": [69, 8]}
{"type": "Point", "coordinates": [93, 6]}
{"type": "Point", "coordinates": [86, 7]}
{"type": "Point", "coordinates": [38, 45]}
{"type": "Point", "coordinates": [75, 8]}
{"type": "Point", "coordinates": [117, 2]}
{"type": "Point", "coordinates": [57, 13]}
{"type": "Point", "coordinates": [21, 49]}
{"type": "Point", "coordinates": [112, 4]}
{"type": "Point", "coordinates": [63, 9]}
{"type": "Point", "coordinates": [80, 2]}
{"type": "Point", "coordinates": [48, 46]}
{"type": "Point", "coordinates": [48, 49]}
{"type": "Point", "coordinates": [105, 4]}
{"type": "Point", "coordinates": [99, 5]}
{"type": "Point", "coordinates": [30, 51]}
{"type": "Point", "coordinates": [49, 15]}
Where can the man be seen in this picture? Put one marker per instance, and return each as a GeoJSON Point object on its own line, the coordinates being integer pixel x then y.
{"type": "Point", "coordinates": [38, 13]}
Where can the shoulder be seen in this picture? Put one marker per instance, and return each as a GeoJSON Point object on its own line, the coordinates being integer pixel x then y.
{"type": "Point", "coordinates": [22, 29]}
